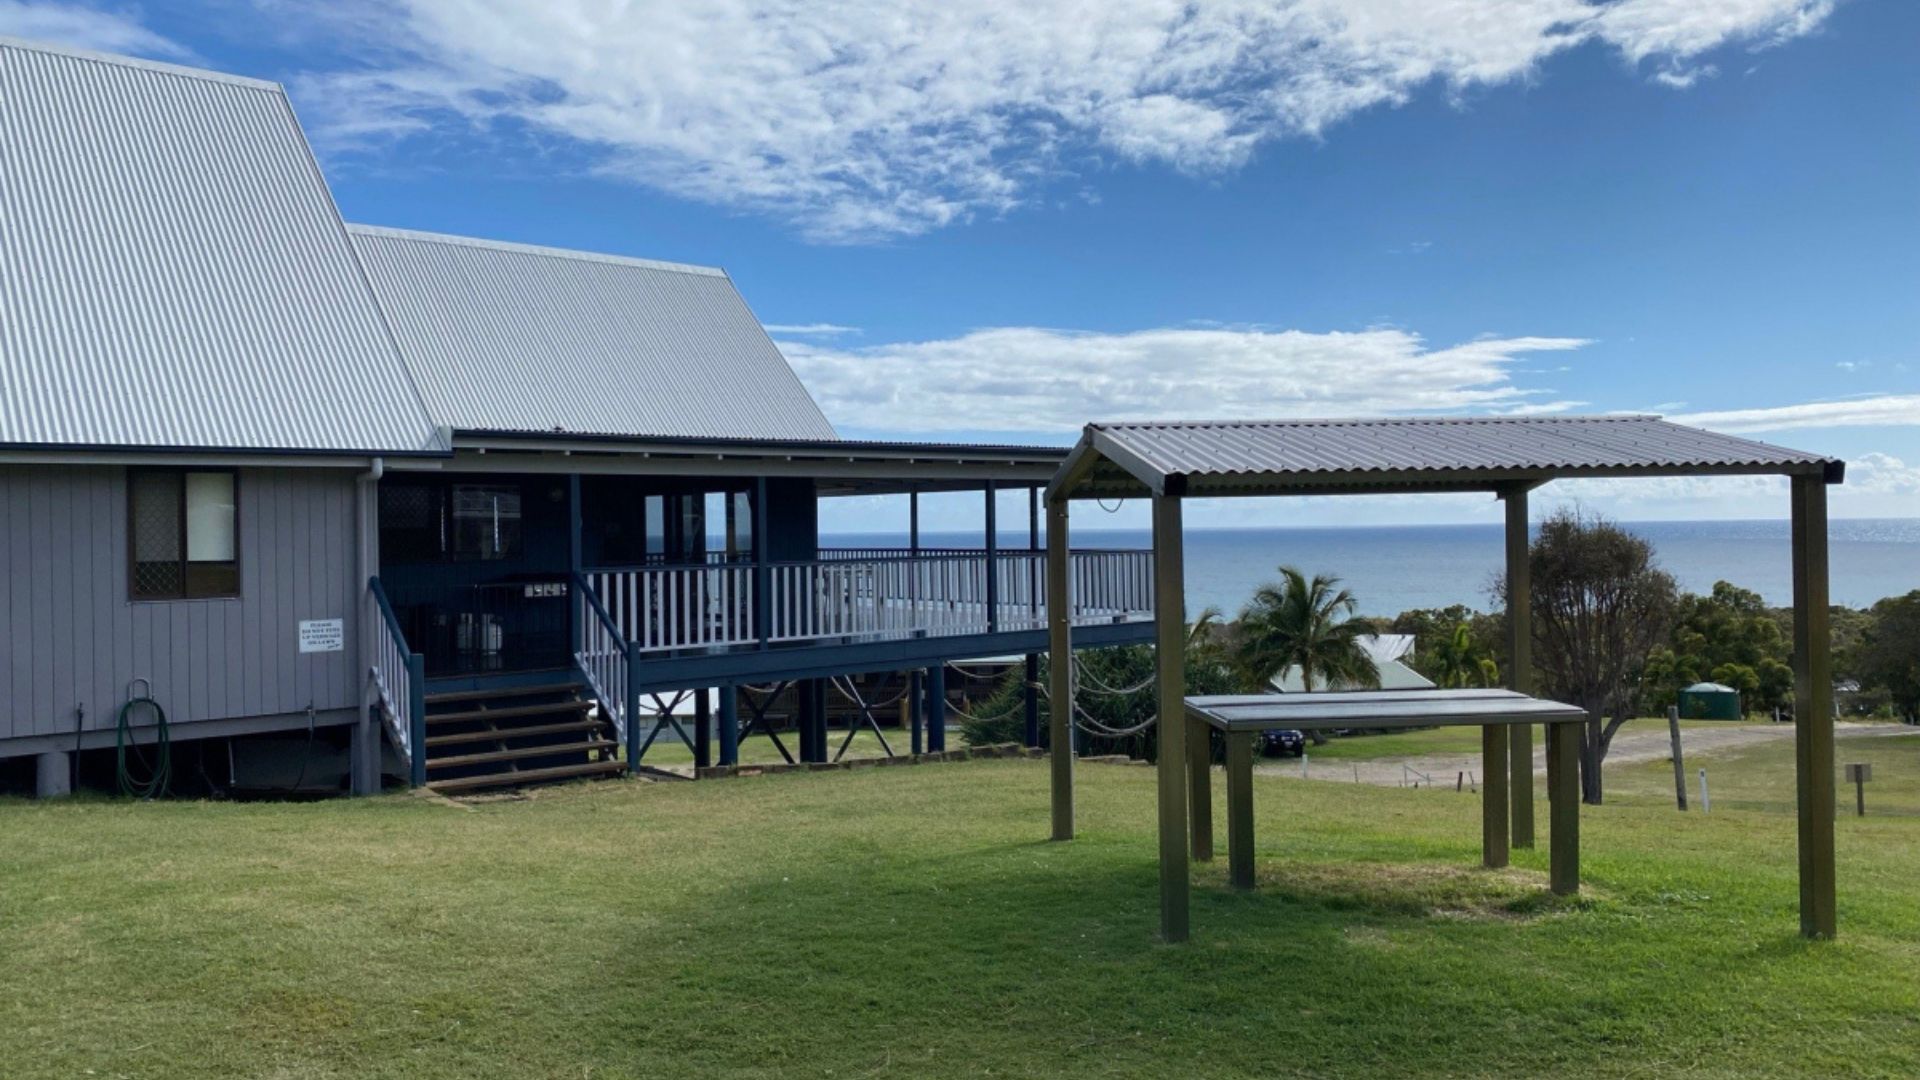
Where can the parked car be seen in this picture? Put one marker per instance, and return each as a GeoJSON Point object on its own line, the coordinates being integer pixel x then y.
{"type": "Point", "coordinates": [1285, 742]}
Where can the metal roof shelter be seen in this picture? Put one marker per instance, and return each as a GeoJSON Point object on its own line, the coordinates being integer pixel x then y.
{"type": "Point", "coordinates": [176, 274]}
{"type": "Point", "coordinates": [1505, 456]}
{"type": "Point", "coordinates": [514, 337]}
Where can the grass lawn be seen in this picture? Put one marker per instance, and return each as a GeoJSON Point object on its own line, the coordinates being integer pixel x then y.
{"type": "Point", "coordinates": [912, 921]}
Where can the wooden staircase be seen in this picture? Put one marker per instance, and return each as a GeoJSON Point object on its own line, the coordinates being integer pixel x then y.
{"type": "Point", "coordinates": [515, 737]}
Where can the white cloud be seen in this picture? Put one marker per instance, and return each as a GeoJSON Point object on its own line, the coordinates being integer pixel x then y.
{"type": "Point", "coordinates": [877, 118]}
{"type": "Point", "coordinates": [819, 329]}
{"type": "Point", "coordinates": [1036, 380]}
{"type": "Point", "coordinates": [86, 28]}
{"type": "Point", "coordinates": [1901, 410]}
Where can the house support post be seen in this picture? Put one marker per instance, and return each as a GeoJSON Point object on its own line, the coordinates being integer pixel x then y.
{"type": "Point", "coordinates": [729, 725]}
{"type": "Point", "coordinates": [635, 743]}
{"type": "Point", "coordinates": [993, 558]}
{"type": "Point", "coordinates": [1031, 732]}
{"type": "Point", "coordinates": [1813, 707]}
{"type": "Point", "coordinates": [702, 728]}
{"type": "Point", "coordinates": [1170, 633]}
{"type": "Point", "coordinates": [1519, 663]}
{"type": "Point", "coordinates": [916, 711]}
{"type": "Point", "coordinates": [53, 775]}
{"type": "Point", "coordinates": [937, 708]}
{"type": "Point", "coordinates": [1059, 671]}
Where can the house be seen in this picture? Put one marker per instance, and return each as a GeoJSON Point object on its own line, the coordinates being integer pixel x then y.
{"type": "Point", "coordinates": [1391, 653]}
{"type": "Point", "coordinates": [455, 510]}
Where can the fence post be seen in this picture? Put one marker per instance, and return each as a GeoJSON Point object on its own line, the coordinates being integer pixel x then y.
{"type": "Point", "coordinates": [417, 719]}
{"type": "Point", "coordinates": [1679, 767]}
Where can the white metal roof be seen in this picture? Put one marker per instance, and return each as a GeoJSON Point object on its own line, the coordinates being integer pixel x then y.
{"type": "Point", "coordinates": [1271, 457]}
{"type": "Point", "coordinates": [509, 337]}
{"type": "Point", "coordinates": [173, 271]}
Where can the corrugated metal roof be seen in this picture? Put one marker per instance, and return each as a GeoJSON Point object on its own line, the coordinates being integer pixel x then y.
{"type": "Point", "coordinates": [508, 337]}
{"type": "Point", "coordinates": [1251, 457]}
{"type": "Point", "coordinates": [173, 272]}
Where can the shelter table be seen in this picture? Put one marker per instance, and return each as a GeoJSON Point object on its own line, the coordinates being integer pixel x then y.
{"type": "Point", "coordinates": [1241, 717]}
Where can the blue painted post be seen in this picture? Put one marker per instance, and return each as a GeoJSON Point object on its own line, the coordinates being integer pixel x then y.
{"type": "Point", "coordinates": [993, 558]}
{"type": "Point", "coordinates": [729, 725]}
{"type": "Point", "coordinates": [702, 729]}
{"type": "Point", "coordinates": [574, 563]}
{"type": "Point", "coordinates": [1033, 700]}
{"type": "Point", "coordinates": [633, 709]}
{"type": "Point", "coordinates": [417, 718]}
{"type": "Point", "coordinates": [937, 708]}
{"type": "Point", "coordinates": [762, 576]}
{"type": "Point", "coordinates": [917, 710]}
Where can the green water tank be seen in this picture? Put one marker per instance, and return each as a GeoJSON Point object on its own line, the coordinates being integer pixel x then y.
{"type": "Point", "coordinates": [1710, 701]}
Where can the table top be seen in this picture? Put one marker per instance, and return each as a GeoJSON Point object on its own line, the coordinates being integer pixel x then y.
{"type": "Point", "coordinates": [1323, 710]}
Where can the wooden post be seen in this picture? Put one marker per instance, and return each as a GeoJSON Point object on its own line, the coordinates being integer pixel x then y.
{"type": "Point", "coordinates": [1679, 766]}
{"type": "Point", "coordinates": [1563, 794]}
{"type": "Point", "coordinates": [729, 725]}
{"type": "Point", "coordinates": [1170, 633]}
{"type": "Point", "coordinates": [936, 683]}
{"type": "Point", "coordinates": [1813, 707]}
{"type": "Point", "coordinates": [1240, 809]}
{"type": "Point", "coordinates": [1060, 675]}
{"type": "Point", "coordinates": [1493, 797]}
{"type": "Point", "coordinates": [702, 729]}
{"type": "Point", "coordinates": [993, 557]}
{"type": "Point", "coordinates": [1199, 786]}
{"type": "Point", "coordinates": [1519, 662]}
{"type": "Point", "coordinates": [916, 711]}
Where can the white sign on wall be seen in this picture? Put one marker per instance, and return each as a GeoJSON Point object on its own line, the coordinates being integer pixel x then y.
{"type": "Point", "coordinates": [322, 635]}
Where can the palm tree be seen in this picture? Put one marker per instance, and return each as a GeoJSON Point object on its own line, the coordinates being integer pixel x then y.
{"type": "Point", "coordinates": [1460, 662]}
{"type": "Point", "coordinates": [1307, 625]}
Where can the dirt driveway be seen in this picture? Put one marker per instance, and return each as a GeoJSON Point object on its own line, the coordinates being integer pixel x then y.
{"type": "Point", "coordinates": [1632, 745]}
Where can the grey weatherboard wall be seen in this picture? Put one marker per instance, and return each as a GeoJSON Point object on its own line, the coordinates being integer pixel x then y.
{"type": "Point", "coordinates": [72, 635]}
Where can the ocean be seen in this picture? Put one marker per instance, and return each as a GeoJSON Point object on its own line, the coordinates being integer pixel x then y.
{"type": "Point", "coordinates": [1395, 568]}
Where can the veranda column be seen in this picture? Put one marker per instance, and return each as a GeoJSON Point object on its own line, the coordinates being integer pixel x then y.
{"type": "Point", "coordinates": [1813, 707]}
{"type": "Point", "coordinates": [1519, 663]}
{"type": "Point", "coordinates": [729, 725]}
{"type": "Point", "coordinates": [1170, 638]}
{"type": "Point", "coordinates": [1060, 670]}
{"type": "Point", "coordinates": [937, 708]}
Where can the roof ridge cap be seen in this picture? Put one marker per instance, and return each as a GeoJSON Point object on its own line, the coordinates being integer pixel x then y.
{"type": "Point", "coordinates": [163, 67]}
{"type": "Point", "coordinates": [544, 250]}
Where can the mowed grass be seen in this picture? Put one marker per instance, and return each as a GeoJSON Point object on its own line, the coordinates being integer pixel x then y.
{"type": "Point", "coordinates": [1465, 740]}
{"type": "Point", "coordinates": [913, 921]}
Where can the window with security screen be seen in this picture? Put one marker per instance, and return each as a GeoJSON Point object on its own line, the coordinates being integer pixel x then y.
{"type": "Point", "coordinates": [184, 533]}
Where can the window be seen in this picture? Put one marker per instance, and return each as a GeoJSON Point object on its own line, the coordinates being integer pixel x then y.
{"type": "Point", "coordinates": [185, 534]}
{"type": "Point", "coordinates": [486, 521]}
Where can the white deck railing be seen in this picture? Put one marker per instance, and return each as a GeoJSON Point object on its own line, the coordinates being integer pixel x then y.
{"type": "Point", "coordinates": [679, 607]}
{"type": "Point", "coordinates": [602, 655]}
{"type": "Point", "coordinates": [875, 596]}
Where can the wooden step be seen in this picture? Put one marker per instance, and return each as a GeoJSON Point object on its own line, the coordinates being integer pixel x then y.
{"type": "Point", "coordinates": [530, 776]}
{"type": "Point", "coordinates": [502, 692]}
{"type": "Point", "coordinates": [521, 752]}
{"type": "Point", "coordinates": [510, 733]}
{"type": "Point", "coordinates": [510, 712]}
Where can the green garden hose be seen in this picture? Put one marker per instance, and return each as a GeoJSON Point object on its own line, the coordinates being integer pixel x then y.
{"type": "Point", "coordinates": [160, 771]}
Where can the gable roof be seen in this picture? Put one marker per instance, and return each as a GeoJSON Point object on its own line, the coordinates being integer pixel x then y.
{"type": "Point", "coordinates": [175, 274]}
{"type": "Point", "coordinates": [1472, 453]}
{"type": "Point", "coordinates": [510, 337]}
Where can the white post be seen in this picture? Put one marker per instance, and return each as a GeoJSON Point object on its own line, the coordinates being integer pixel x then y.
{"type": "Point", "coordinates": [1706, 804]}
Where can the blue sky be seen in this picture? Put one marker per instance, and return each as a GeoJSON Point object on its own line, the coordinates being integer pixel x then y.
{"type": "Point", "coordinates": [997, 220]}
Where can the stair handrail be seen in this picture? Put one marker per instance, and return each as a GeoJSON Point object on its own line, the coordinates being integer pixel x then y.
{"type": "Point", "coordinates": [399, 678]}
{"type": "Point", "coordinates": [605, 657]}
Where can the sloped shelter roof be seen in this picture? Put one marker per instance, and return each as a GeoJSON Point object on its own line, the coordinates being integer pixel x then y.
{"type": "Point", "coordinates": [174, 274]}
{"type": "Point", "coordinates": [509, 337]}
{"type": "Point", "coordinates": [1298, 457]}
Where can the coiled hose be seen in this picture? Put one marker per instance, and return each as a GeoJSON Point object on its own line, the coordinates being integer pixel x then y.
{"type": "Point", "coordinates": [158, 772]}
